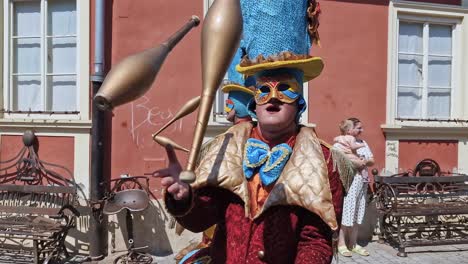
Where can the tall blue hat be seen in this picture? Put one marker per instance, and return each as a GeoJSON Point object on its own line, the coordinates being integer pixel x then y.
{"type": "Point", "coordinates": [277, 37]}
{"type": "Point", "coordinates": [278, 34]}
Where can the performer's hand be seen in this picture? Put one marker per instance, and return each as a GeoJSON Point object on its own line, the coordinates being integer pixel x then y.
{"type": "Point", "coordinates": [170, 176]}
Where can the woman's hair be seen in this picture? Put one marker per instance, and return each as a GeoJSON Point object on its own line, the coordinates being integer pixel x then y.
{"type": "Point", "coordinates": [354, 120]}
{"type": "Point", "coordinates": [345, 126]}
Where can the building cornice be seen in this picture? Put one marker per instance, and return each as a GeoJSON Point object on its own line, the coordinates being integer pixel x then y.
{"type": "Point", "coordinates": [46, 126]}
{"type": "Point", "coordinates": [430, 6]}
{"type": "Point", "coordinates": [425, 132]}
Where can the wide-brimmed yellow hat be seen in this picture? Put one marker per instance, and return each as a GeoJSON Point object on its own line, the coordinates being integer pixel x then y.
{"type": "Point", "coordinates": [229, 86]}
{"type": "Point", "coordinates": [310, 66]}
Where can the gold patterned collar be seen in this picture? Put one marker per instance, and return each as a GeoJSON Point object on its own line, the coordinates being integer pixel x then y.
{"type": "Point", "coordinates": [303, 182]}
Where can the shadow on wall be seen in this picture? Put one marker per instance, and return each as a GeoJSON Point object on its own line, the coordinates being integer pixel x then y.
{"type": "Point", "coordinates": [77, 241]}
{"type": "Point", "coordinates": [149, 229]}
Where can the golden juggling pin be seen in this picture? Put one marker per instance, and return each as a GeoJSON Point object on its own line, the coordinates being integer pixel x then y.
{"type": "Point", "coordinates": [221, 35]}
{"type": "Point", "coordinates": [133, 76]}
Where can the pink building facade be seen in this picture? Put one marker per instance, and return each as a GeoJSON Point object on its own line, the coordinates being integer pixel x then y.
{"type": "Point", "coordinates": [396, 65]}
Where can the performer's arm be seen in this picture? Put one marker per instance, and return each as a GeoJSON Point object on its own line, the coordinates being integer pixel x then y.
{"type": "Point", "coordinates": [315, 241]}
{"type": "Point", "coordinates": [204, 208]}
{"type": "Point", "coordinates": [194, 209]}
{"type": "Point", "coordinates": [336, 186]}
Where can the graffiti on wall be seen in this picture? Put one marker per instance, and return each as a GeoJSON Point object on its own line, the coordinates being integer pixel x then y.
{"type": "Point", "coordinates": [392, 149]}
{"type": "Point", "coordinates": [146, 118]}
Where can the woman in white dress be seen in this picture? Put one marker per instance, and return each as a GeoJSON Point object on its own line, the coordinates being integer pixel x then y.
{"type": "Point", "coordinates": [354, 206]}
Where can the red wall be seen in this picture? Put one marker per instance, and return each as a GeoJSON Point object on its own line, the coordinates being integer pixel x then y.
{"type": "Point", "coordinates": [354, 48]}
{"type": "Point", "coordinates": [58, 150]}
{"type": "Point", "coordinates": [138, 25]}
{"type": "Point", "coordinates": [353, 83]}
{"type": "Point", "coordinates": [443, 152]}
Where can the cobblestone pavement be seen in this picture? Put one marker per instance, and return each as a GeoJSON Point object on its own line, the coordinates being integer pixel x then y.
{"type": "Point", "coordinates": [385, 254]}
{"type": "Point", "coordinates": [380, 254]}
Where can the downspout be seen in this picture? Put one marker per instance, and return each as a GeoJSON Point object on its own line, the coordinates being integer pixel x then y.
{"type": "Point", "coordinates": [98, 233]}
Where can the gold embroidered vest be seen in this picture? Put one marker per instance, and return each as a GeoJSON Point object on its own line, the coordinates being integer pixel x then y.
{"type": "Point", "coordinates": [303, 182]}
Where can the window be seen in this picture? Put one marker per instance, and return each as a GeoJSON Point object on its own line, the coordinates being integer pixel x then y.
{"type": "Point", "coordinates": [218, 114]}
{"type": "Point", "coordinates": [424, 70]}
{"type": "Point", "coordinates": [426, 62]}
{"type": "Point", "coordinates": [426, 90]}
{"type": "Point", "coordinates": [43, 58]}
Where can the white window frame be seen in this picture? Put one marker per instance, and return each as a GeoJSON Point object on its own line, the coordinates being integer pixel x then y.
{"type": "Point", "coordinates": [423, 130]}
{"type": "Point", "coordinates": [426, 25]}
{"type": "Point", "coordinates": [432, 14]}
{"type": "Point", "coordinates": [82, 70]}
{"type": "Point", "coordinates": [218, 116]}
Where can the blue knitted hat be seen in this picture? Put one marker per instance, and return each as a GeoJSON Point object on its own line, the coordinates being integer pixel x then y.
{"type": "Point", "coordinates": [277, 34]}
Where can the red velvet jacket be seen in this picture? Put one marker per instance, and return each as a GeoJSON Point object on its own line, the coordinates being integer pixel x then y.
{"type": "Point", "coordinates": [282, 234]}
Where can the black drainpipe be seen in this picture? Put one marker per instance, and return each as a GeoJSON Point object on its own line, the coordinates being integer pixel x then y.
{"type": "Point", "coordinates": [98, 234]}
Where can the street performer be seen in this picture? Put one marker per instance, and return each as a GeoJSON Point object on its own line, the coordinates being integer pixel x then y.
{"type": "Point", "coordinates": [236, 104]}
{"type": "Point", "coordinates": [271, 186]}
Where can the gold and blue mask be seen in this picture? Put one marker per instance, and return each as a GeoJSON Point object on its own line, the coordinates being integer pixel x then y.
{"type": "Point", "coordinates": [283, 84]}
{"type": "Point", "coordinates": [285, 90]}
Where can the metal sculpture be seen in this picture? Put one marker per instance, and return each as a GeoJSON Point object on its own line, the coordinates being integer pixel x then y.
{"type": "Point", "coordinates": [129, 194]}
{"type": "Point", "coordinates": [422, 210]}
{"type": "Point", "coordinates": [37, 204]}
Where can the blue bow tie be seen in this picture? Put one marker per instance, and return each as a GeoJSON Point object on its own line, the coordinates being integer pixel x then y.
{"type": "Point", "coordinates": [257, 154]}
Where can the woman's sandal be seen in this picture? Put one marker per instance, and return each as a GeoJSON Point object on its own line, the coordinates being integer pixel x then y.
{"type": "Point", "coordinates": [360, 250]}
{"type": "Point", "coordinates": [344, 251]}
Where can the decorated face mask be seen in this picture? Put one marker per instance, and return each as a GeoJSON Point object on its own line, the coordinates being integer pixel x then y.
{"type": "Point", "coordinates": [285, 89]}
{"type": "Point", "coordinates": [238, 101]}
{"type": "Point", "coordinates": [229, 106]}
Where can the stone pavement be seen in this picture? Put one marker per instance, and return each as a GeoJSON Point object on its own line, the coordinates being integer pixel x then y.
{"type": "Point", "coordinates": [385, 254]}
{"type": "Point", "coordinates": [379, 253]}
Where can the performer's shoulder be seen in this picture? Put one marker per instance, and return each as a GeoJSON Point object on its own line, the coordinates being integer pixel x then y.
{"type": "Point", "coordinates": [325, 144]}
{"type": "Point", "coordinates": [326, 150]}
